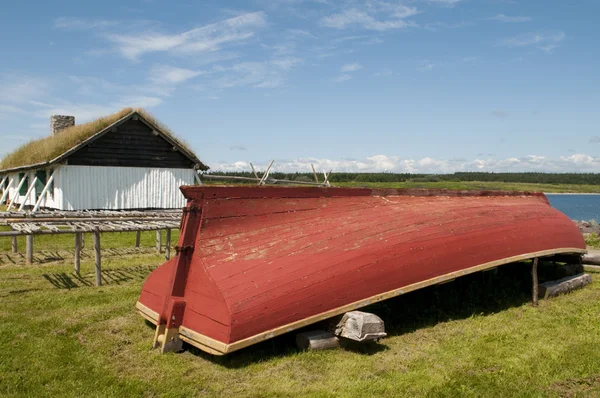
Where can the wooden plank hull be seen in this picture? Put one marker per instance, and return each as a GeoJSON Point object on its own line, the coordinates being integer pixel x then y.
{"type": "Point", "coordinates": [268, 260]}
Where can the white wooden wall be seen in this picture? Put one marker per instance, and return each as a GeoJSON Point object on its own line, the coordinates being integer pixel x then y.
{"type": "Point", "coordinates": [93, 187]}
{"type": "Point", "coordinates": [111, 188]}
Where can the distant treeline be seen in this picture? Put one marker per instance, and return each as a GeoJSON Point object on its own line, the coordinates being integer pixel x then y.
{"type": "Point", "coordinates": [539, 178]}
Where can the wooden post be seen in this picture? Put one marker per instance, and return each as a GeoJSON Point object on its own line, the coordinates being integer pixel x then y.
{"type": "Point", "coordinates": [159, 241]}
{"type": "Point", "coordinates": [138, 235]}
{"type": "Point", "coordinates": [535, 281]}
{"type": "Point", "coordinates": [317, 340]}
{"type": "Point", "coordinates": [15, 246]}
{"type": "Point", "coordinates": [29, 249]}
{"type": "Point", "coordinates": [98, 259]}
{"type": "Point", "coordinates": [78, 241]}
{"type": "Point", "coordinates": [168, 244]}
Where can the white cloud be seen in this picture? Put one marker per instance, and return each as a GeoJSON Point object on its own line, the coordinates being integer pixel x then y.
{"type": "Point", "coordinates": [544, 41]}
{"type": "Point", "coordinates": [342, 78]}
{"type": "Point", "coordinates": [351, 67]}
{"type": "Point", "coordinates": [15, 88]}
{"type": "Point", "coordinates": [374, 15]}
{"type": "Point", "coordinates": [67, 23]}
{"type": "Point", "coordinates": [382, 163]}
{"type": "Point", "coordinates": [425, 66]}
{"type": "Point", "coordinates": [268, 74]}
{"type": "Point", "coordinates": [5, 109]}
{"type": "Point", "coordinates": [509, 19]}
{"type": "Point", "coordinates": [164, 74]}
{"type": "Point", "coordinates": [206, 38]}
{"type": "Point", "coordinates": [446, 3]}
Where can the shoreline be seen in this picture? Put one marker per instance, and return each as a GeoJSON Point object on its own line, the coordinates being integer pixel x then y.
{"type": "Point", "coordinates": [571, 193]}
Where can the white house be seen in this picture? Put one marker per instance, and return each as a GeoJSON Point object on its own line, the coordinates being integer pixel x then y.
{"type": "Point", "coordinates": [123, 161]}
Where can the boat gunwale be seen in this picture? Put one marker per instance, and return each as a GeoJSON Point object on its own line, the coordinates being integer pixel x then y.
{"type": "Point", "coordinates": [208, 192]}
{"type": "Point", "coordinates": [215, 347]}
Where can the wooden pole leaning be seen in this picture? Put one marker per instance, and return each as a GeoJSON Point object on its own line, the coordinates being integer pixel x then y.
{"type": "Point", "coordinates": [28, 194]}
{"type": "Point", "coordinates": [43, 193]}
{"type": "Point", "coordinates": [534, 275]}
{"type": "Point", "coordinates": [5, 193]}
{"type": "Point", "coordinates": [12, 202]}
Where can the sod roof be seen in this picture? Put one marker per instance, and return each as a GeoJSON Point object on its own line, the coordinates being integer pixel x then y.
{"type": "Point", "coordinates": [53, 149]}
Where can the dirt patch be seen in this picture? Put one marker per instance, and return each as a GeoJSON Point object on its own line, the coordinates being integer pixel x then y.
{"type": "Point", "coordinates": [584, 387]}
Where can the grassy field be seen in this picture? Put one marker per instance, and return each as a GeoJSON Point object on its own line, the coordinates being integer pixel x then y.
{"type": "Point", "coordinates": [476, 185]}
{"type": "Point", "coordinates": [477, 336]}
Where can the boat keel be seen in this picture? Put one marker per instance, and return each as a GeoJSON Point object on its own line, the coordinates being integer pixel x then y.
{"type": "Point", "coordinates": [167, 339]}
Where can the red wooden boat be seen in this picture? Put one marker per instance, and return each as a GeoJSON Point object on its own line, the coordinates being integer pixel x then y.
{"type": "Point", "coordinates": [256, 262]}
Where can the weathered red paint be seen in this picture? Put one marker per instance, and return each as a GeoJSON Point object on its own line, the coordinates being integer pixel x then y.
{"type": "Point", "coordinates": [264, 257]}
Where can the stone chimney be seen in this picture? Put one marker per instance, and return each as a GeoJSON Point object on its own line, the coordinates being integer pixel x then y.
{"type": "Point", "coordinates": [60, 122]}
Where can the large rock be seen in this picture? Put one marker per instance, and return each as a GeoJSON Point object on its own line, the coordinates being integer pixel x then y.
{"type": "Point", "coordinates": [360, 326]}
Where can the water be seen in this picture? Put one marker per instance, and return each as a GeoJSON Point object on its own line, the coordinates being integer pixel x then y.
{"type": "Point", "coordinates": [577, 207]}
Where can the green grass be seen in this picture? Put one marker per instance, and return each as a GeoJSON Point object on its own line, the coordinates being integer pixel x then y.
{"type": "Point", "coordinates": [479, 185]}
{"type": "Point", "coordinates": [592, 240]}
{"type": "Point", "coordinates": [477, 336]}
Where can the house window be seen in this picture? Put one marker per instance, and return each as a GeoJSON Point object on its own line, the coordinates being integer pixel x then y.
{"type": "Point", "coordinates": [23, 190]}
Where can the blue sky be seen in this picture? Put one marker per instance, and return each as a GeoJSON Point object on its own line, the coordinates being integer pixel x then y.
{"type": "Point", "coordinates": [406, 86]}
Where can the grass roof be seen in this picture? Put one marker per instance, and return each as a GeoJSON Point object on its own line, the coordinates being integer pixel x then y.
{"type": "Point", "coordinates": [49, 148]}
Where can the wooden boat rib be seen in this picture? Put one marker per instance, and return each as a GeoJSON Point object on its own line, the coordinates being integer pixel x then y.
{"type": "Point", "coordinates": [256, 262]}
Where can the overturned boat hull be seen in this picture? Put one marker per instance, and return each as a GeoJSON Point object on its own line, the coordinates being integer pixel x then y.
{"type": "Point", "coordinates": [256, 262]}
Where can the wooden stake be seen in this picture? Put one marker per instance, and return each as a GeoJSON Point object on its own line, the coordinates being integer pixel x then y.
{"type": "Point", "coordinates": [78, 241]}
{"type": "Point", "coordinates": [15, 246]}
{"type": "Point", "coordinates": [98, 258]}
{"type": "Point", "coordinates": [168, 244]}
{"type": "Point", "coordinates": [159, 241]}
{"type": "Point", "coordinates": [138, 235]}
{"type": "Point", "coordinates": [29, 249]}
{"type": "Point", "coordinates": [535, 281]}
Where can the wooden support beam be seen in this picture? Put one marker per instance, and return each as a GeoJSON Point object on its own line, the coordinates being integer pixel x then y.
{"type": "Point", "coordinates": [138, 235]}
{"type": "Point", "coordinates": [317, 340]}
{"type": "Point", "coordinates": [43, 194]}
{"type": "Point", "coordinates": [29, 191]}
{"type": "Point", "coordinates": [197, 178]}
{"type": "Point", "coordinates": [535, 281]}
{"type": "Point", "coordinates": [159, 240]}
{"type": "Point", "coordinates": [564, 285]}
{"type": "Point", "coordinates": [5, 193]}
{"type": "Point", "coordinates": [591, 259]}
{"type": "Point", "coordinates": [78, 244]}
{"type": "Point", "coordinates": [12, 202]}
{"type": "Point", "coordinates": [15, 245]}
{"type": "Point", "coordinates": [98, 258]}
{"type": "Point", "coordinates": [29, 249]}
{"type": "Point", "coordinates": [266, 174]}
{"type": "Point", "coordinates": [314, 173]}
{"type": "Point", "coordinates": [168, 244]}
{"type": "Point", "coordinates": [254, 171]}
